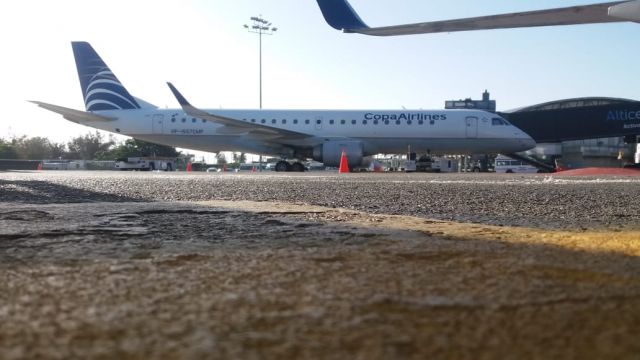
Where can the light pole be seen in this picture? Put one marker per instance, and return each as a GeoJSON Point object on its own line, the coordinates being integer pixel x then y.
{"type": "Point", "coordinates": [261, 27]}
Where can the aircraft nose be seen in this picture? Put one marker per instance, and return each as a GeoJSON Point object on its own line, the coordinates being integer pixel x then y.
{"type": "Point", "coordinates": [527, 142]}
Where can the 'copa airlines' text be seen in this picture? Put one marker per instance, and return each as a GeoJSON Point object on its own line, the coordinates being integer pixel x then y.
{"type": "Point", "coordinates": [405, 116]}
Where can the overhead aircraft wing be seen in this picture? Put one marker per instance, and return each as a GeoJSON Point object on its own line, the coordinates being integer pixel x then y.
{"type": "Point", "coordinates": [72, 114]}
{"type": "Point", "coordinates": [341, 16]}
{"type": "Point", "coordinates": [235, 126]}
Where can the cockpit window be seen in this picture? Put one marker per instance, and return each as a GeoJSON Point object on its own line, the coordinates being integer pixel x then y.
{"type": "Point", "coordinates": [499, 121]}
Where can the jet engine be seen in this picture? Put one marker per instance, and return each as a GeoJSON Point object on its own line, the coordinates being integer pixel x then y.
{"type": "Point", "coordinates": [329, 152]}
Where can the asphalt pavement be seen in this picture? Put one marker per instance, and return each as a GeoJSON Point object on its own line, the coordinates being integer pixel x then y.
{"type": "Point", "coordinates": [318, 265]}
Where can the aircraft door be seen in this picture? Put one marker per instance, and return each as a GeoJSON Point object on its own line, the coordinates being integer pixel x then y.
{"type": "Point", "coordinates": [157, 123]}
{"type": "Point", "coordinates": [471, 127]}
{"type": "Point", "coordinates": [318, 122]}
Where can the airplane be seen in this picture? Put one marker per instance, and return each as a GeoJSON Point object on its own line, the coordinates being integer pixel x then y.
{"type": "Point", "coordinates": [321, 135]}
{"type": "Point", "coordinates": [340, 15]}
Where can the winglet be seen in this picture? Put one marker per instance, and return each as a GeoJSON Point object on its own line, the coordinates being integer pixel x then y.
{"type": "Point", "coordinates": [181, 99]}
{"type": "Point", "coordinates": [231, 125]}
{"type": "Point", "coordinates": [341, 16]}
{"type": "Point", "coordinates": [188, 108]}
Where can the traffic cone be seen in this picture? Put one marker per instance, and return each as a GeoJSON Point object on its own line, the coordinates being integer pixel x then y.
{"type": "Point", "coordinates": [39, 166]}
{"type": "Point", "coordinates": [189, 167]}
{"type": "Point", "coordinates": [344, 165]}
{"type": "Point", "coordinates": [253, 169]}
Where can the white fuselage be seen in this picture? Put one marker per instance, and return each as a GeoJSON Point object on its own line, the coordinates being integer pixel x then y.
{"type": "Point", "coordinates": [380, 131]}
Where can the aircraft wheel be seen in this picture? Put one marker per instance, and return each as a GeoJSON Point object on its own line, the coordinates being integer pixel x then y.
{"type": "Point", "coordinates": [282, 166]}
{"type": "Point", "coordinates": [298, 167]}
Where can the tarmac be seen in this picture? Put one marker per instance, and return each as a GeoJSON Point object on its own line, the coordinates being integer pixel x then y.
{"type": "Point", "coordinates": [157, 265]}
{"type": "Point", "coordinates": [600, 171]}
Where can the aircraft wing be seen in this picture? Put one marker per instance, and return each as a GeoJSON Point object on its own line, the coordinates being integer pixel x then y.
{"type": "Point", "coordinates": [235, 126]}
{"type": "Point", "coordinates": [72, 114]}
{"type": "Point", "coordinates": [341, 16]}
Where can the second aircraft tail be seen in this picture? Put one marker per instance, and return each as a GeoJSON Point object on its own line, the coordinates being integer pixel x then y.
{"type": "Point", "coordinates": [101, 88]}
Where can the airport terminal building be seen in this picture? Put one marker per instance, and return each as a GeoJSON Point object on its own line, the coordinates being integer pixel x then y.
{"type": "Point", "coordinates": [593, 131]}
{"type": "Point", "coordinates": [589, 131]}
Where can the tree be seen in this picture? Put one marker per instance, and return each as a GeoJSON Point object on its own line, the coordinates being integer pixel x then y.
{"type": "Point", "coordinates": [221, 159]}
{"type": "Point", "coordinates": [90, 146]}
{"type": "Point", "coordinates": [151, 149]}
{"type": "Point", "coordinates": [7, 151]}
{"type": "Point", "coordinates": [37, 148]}
{"type": "Point", "coordinates": [137, 148]}
{"type": "Point", "coordinates": [239, 158]}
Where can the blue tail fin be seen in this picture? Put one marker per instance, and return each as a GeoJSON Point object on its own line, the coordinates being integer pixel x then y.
{"type": "Point", "coordinates": [100, 87]}
{"type": "Point", "coordinates": [340, 15]}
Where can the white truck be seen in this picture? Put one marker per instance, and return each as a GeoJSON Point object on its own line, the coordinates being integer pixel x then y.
{"type": "Point", "coordinates": [146, 164]}
{"type": "Point", "coordinates": [505, 164]}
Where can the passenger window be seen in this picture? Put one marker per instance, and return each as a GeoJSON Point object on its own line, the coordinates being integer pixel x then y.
{"type": "Point", "coordinates": [397, 122]}
{"type": "Point", "coordinates": [295, 121]}
{"type": "Point", "coordinates": [353, 122]}
{"type": "Point", "coordinates": [342, 122]}
{"type": "Point", "coordinates": [263, 121]}
{"type": "Point", "coordinates": [273, 121]}
{"type": "Point", "coordinates": [408, 122]}
{"type": "Point", "coordinates": [375, 122]}
{"type": "Point", "coordinates": [318, 121]}
{"type": "Point", "coordinates": [306, 121]}
{"type": "Point", "coordinates": [364, 122]}
{"type": "Point", "coordinates": [331, 121]}
{"type": "Point", "coordinates": [284, 121]}
{"type": "Point", "coordinates": [420, 122]}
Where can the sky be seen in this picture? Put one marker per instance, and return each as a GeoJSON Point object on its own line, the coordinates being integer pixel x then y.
{"type": "Point", "coordinates": [202, 47]}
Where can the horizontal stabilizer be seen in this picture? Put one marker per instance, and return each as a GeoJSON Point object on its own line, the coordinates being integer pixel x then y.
{"type": "Point", "coordinates": [72, 114]}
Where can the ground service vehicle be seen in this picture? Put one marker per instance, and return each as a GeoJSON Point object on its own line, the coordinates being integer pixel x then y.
{"type": "Point", "coordinates": [145, 164]}
{"type": "Point", "coordinates": [505, 164]}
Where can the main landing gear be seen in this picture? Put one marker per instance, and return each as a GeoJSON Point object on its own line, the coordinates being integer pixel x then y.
{"type": "Point", "coordinates": [286, 166]}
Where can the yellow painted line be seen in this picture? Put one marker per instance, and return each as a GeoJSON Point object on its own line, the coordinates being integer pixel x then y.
{"type": "Point", "coordinates": [622, 241]}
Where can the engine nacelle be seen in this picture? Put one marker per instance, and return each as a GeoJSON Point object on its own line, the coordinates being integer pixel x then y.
{"type": "Point", "coordinates": [329, 152]}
